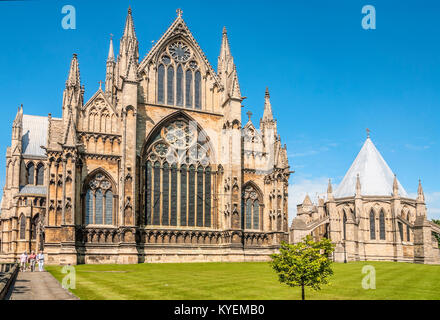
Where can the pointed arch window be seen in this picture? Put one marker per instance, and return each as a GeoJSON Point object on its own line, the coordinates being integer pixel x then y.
{"type": "Point", "coordinates": [170, 85]}
{"type": "Point", "coordinates": [160, 84]}
{"type": "Point", "coordinates": [34, 226]}
{"type": "Point", "coordinates": [179, 86]}
{"type": "Point", "coordinates": [198, 90]}
{"type": "Point", "coordinates": [400, 226]}
{"type": "Point", "coordinates": [99, 208]}
{"type": "Point", "coordinates": [344, 222]}
{"type": "Point", "coordinates": [188, 88]}
{"type": "Point", "coordinates": [382, 225]}
{"type": "Point", "coordinates": [178, 178]}
{"type": "Point", "coordinates": [252, 209]}
{"type": "Point", "coordinates": [372, 225]}
{"type": "Point", "coordinates": [30, 173]}
{"type": "Point", "coordinates": [22, 227]}
{"type": "Point", "coordinates": [40, 174]}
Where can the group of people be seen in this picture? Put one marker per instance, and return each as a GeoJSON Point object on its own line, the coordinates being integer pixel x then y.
{"type": "Point", "coordinates": [30, 261]}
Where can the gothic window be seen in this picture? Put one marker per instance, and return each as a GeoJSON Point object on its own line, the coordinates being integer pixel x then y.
{"type": "Point", "coordinates": [382, 225]}
{"type": "Point", "coordinates": [34, 227]}
{"type": "Point", "coordinates": [408, 235]}
{"type": "Point", "coordinates": [188, 89]}
{"type": "Point", "coordinates": [197, 96]}
{"type": "Point", "coordinates": [160, 84]}
{"type": "Point", "coordinates": [252, 209]}
{"type": "Point", "coordinates": [344, 222]}
{"type": "Point", "coordinates": [30, 173]}
{"type": "Point", "coordinates": [179, 86]}
{"type": "Point", "coordinates": [177, 178]}
{"type": "Point", "coordinates": [399, 224]}
{"type": "Point", "coordinates": [372, 225]}
{"type": "Point", "coordinates": [22, 227]}
{"type": "Point", "coordinates": [40, 174]}
{"type": "Point", "coordinates": [170, 86]}
{"type": "Point", "coordinates": [179, 77]}
{"type": "Point", "coordinates": [99, 201]}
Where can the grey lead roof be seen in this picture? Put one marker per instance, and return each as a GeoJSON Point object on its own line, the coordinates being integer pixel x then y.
{"type": "Point", "coordinates": [40, 190]}
{"type": "Point", "coordinates": [374, 173]}
{"type": "Point", "coordinates": [34, 135]}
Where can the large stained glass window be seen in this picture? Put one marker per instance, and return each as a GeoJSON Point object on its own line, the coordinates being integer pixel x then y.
{"type": "Point", "coordinates": [180, 180]}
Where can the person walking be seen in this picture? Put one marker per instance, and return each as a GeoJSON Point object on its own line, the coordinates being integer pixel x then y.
{"type": "Point", "coordinates": [32, 259]}
{"type": "Point", "coordinates": [23, 260]}
{"type": "Point", "coordinates": [40, 259]}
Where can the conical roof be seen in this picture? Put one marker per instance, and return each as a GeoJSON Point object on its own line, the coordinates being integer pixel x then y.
{"type": "Point", "coordinates": [375, 175]}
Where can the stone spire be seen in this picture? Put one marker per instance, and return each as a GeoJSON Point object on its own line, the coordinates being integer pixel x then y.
{"type": "Point", "coordinates": [395, 187]}
{"type": "Point", "coordinates": [420, 193]}
{"type": "Point", "coordinates": [17, 125]}
{"type": "Point", "coordinates": [73, 78]}
{"type": "Point", "coordinates": [129, 31]}
{"type": "Point", "coordinates": [330, 190]}
{"type": "Point", "coordinates": [267, 114]}
{"type": "Point", "coordinates": [111, 52]}
{"type": "Point", "coordinates": [227, 70]}
{"type": "Point", "coordinates": [110, 71]}
{"type": "Point", "coordinates": [129, 47]}
{"type": "Point", "coordinates": [225, 53]}
{"type": "Point", "coordinates": [73, 93]}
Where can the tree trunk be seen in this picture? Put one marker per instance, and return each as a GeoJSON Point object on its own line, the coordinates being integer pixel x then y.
{"type": "Point", "coordinates": [303, 292]}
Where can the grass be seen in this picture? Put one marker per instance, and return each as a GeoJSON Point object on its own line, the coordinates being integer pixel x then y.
{"type": "Point", "coordinates": [246, 281]}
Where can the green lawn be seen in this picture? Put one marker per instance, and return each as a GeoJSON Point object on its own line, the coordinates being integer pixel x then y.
{"type": "Point", "coordinates": [246, 281]}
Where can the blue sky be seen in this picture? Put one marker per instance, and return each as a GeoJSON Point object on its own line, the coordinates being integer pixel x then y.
{"type": "Point", "coordinates": [329, 79]}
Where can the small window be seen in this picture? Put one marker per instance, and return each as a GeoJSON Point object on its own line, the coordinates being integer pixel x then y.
{"type": "Point", "coordinates": [372, 226]}
{"type": "Point", "coordinates": [189, 86]}
{"type": "Point", "coordinates": [30, 174]}
{"type": "Point", "coordinates": [40, 174]}
{"type": "Point", "coordinates": [170, 86]}
{"type": "Point", "coordinates": [160, 84]}
{"type": "Point", "coordinates": [22, 227]}
{"type": "Point", "coordinates": [198, 91]}
{"type": "Point", "coordinates": [382, 225]}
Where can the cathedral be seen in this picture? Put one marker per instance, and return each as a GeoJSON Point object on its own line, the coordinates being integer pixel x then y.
{"type": "Point", "coordinates": [370, 216]}
{"type": "Point", "coordinates": [157, 166]}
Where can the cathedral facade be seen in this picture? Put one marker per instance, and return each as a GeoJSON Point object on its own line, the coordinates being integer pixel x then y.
{"type": "Point", "coordinates": [157, 166]}
{"type": "Point", "coordinates": [370, 216]}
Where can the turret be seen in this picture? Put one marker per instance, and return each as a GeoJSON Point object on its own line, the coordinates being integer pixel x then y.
{"type": "Point", "coordinates": [73, 95]}
{"type": "Point", "coordinates": [420, 202]}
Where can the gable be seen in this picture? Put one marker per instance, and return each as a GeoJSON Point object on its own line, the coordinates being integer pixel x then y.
{"type": "Point", "coordinates": [98, 115]}
{"type": "Point", "coordinates": [179, 31]}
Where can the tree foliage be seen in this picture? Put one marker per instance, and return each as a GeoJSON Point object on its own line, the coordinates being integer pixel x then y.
{"type": "Point", "coordinates": [305, 264]}
{"type": "Point", "coordinates": [436, 235]}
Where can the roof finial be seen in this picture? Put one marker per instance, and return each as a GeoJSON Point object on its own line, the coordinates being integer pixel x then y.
{"type": "Point", "coordinates": [179, 13]}
{"type": "Point", "coordinates": [267, 92]}
{"type": "Point", "coordinates": [129, 9]}
{"type": "Point", "coordinates": [224, 30]}
{"type": "Point", "coordinates": [249, 114]}
{"type": "Point", "coordinates": [100, 84]}
{"type": "Point", "coordinates": [368, 133]}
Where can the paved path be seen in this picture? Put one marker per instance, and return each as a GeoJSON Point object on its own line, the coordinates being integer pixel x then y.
{"type": "Point", "coordinates": [38, 286]}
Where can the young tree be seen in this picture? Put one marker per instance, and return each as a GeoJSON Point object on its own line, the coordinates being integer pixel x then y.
{"type": "Point", "coordinates": [305, 264]}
